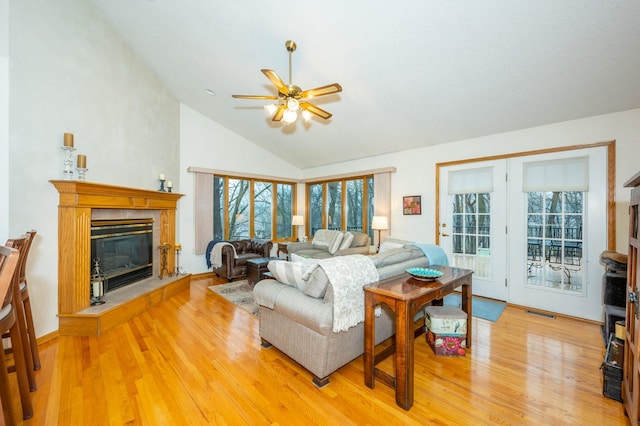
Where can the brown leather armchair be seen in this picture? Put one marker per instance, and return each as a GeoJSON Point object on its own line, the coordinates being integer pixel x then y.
{"type": "Point", "coordinates": [234, 264]}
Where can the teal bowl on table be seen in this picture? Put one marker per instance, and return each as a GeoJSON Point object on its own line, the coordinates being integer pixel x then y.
{"type": "Point", "coordinates": [425, 274]}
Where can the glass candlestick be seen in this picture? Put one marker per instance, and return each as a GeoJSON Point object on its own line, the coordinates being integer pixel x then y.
{"type": "Point", "coordinates": [162, 186]}
{"type": "Point", "coordinates": [67, 172]}
{"type": "Point", "coordinates": [82, 171]}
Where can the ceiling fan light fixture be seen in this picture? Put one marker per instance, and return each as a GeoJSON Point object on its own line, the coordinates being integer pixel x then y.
{"type": "Point", "coordinates": [291, 99]}
{"type": "Point", "coordinates": [270, 109]}
{"type": "Point", "coordinates": [289, 116]}
{"type": "Point", "coordinates": [293, 104]}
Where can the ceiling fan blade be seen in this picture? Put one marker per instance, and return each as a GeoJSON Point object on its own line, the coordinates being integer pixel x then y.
{"type": "Point", "coordinates": [279, 113]}
{"type": "Point", "coordinates": [277, 81]}
{"type": "Point", "coordinates": [321, 91]}
{"type": "Point", "coordinates": [315, 110]}
{"type": "Point", "coordinates": [253, 97]}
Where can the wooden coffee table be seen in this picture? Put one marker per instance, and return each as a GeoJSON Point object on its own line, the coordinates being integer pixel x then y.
{"type": "Point", "coordinates": [405, 296]}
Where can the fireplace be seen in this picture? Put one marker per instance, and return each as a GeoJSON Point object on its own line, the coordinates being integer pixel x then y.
{"type": "Point", "coordinates": [123, 249]}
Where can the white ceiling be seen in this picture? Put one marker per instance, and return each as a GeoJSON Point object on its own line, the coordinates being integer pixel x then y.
{"type": "Point", "coordinates": [414, 73]}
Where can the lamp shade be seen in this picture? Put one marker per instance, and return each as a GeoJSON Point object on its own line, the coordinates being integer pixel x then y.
{"type": "Point", "coordinates": [379, 223]}
{"type": "Point", "coordinates": [297, 220]}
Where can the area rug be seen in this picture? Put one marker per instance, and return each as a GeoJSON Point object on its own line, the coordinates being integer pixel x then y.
{"type": "Point", "coordinates": [482, 308]}
{"type": "Point", "coordinates": [240, 293]}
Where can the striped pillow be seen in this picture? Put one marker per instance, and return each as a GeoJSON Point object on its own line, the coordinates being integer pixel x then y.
{"type": "Point", "coordinates": [290, 273]}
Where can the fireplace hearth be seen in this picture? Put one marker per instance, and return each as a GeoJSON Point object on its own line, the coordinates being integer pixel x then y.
{"type": "Point", "coordinates": [123, 249]}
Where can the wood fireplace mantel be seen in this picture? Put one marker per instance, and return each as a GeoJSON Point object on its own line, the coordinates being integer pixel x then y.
{"type": "Point", "coordinates": [77, 200]}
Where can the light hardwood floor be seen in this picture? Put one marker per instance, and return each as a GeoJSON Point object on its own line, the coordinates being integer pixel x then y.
{"type": "Point", "coordinates": [195, 359]}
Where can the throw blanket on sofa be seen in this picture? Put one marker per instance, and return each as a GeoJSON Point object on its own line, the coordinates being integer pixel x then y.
{"type": "Point", "coordinates": [216, 253]}
{"type": "Point", "coordinates": [434, 253]}
{"type": "Point", "coordinates": [207, 252]}
{"type": "Point", "coordinates": [347, 275]}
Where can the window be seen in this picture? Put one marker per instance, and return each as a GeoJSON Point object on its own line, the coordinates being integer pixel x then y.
{"type": "Point", "coordinates": [345, 204]}
{"type": "Point", "coordinates": [554, 239]}
{"type": "Point", "coordinates": [471, 232]}
{"type": "Point", "coordinates": [252, 208]}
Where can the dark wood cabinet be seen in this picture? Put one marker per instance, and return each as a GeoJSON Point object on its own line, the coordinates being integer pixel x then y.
{"type": "Point", "coordinates": [631, 370]}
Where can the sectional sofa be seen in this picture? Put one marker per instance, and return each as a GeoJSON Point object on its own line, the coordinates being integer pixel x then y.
{"type": "Point", "coordinates": [297, 311]}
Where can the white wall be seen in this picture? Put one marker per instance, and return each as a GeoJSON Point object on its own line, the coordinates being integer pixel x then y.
{"type": "Point", "coordinates": [416, 169]}
{"type": "Point", "coordinates": [204, 143]}
{"type": "Point", "coordinates": [70, 72]}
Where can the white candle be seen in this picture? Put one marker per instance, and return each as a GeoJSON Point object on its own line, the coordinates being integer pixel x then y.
{"type": "Point", "coordinates": [162, 176]}
{"type": "Point", "coordinates": [96, 289]}
{"type": "Point", "coordinates": [169, 184]}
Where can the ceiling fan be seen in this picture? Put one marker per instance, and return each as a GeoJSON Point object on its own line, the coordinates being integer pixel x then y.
{"type": "Point", "coordinates": [292, 99]}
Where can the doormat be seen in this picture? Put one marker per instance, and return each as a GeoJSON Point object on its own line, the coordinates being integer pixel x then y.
{"type": "Point", "coordinates": [481, 308]}
{"type": "Point", "coordinates": [240, 293]}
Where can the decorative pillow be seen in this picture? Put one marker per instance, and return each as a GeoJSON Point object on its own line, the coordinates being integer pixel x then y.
{"type": "Point", "coordinates": [347, 239]}
{"type": "Point", "coordinates": [290, 273]}
{"type": "Point", "coordinates": [327, 240]}
{"type": "Point", "coordinates": [305, 261]}
{"type": "Point", "coordinates": [360, 239]}
{"type": "Point", "coordinates": [317, 283]}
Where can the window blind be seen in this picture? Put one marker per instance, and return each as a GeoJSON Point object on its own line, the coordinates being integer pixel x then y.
{"type": "Point", "coordinates": [565, 174]}
{"type": "Point", "coordinates": [470, 181]}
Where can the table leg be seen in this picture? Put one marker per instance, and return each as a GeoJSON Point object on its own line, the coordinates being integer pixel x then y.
{"type": "Point", "coordinates": [404, 355]}
{"type": "Point", "coordinates": [467, 307]}
{"type": "Point", "coordinates": [369, 339]}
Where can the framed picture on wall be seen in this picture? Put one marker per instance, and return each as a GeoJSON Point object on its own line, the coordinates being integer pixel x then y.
{"type": "Point", "coordinates": [411, 204]}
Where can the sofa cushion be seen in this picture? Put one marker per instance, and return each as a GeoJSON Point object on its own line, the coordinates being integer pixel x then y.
{"type": "Point", "coordinates": [327, 239]}
{"type": "Point", "coordinates": [392, 242]}
{"type": "Point", "coordinates": [290, 273]}
{"type": "Point", "coordinates": [347, 238]}
{"type": "Point", "coordinates": [317, 283]}
{"type": "Point", "coordinates": [395, 255]}
{"type": "Point", "coordinates": [360, 239]}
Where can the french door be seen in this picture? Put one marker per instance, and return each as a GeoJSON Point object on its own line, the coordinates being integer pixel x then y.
{"type": "Point", "coordinates": [530, 233]}
{"type": "Point", "coordinates": [473, 223]}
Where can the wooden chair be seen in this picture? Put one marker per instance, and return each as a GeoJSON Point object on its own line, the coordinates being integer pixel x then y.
{"type": "Point", "coordinates": [26, 301]}
{"type": "Point", "coordinates": [21, 244]}
{"type": "Point", "coordinates": [8, 322]}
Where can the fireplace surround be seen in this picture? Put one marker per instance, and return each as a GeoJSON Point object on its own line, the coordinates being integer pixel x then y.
{"type": "Point", "coordinates": [80, 203]}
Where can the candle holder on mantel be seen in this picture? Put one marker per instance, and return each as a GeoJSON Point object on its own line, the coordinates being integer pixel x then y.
{"type": "Point", "coordinates": [82, 172]}
{"type": "Point", "coordinates": [67, 172]}
{"type": "Point", "coordinates": [164, 248]}
{"type": "Point", "coordinates": [162, 181]}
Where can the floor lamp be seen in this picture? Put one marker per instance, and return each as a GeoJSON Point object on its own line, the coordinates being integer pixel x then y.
{"type": "Point", "coordinates": [298, 221]}
{"type": "Point", "coordinates": [379, 223]}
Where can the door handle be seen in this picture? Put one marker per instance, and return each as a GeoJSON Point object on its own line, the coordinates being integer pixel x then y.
{"type": "Point", "coordinates": [444, 234]}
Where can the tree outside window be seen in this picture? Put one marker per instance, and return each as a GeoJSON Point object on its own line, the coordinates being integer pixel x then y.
{"type": "Point", "coordinates": [251, 208]}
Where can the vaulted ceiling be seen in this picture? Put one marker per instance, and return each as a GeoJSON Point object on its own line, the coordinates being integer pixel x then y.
{"type": "Point", "coordinates": [414, 73]}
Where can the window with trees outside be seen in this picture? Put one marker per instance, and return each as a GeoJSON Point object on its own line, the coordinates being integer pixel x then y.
{"type": "Point", "coordinates": [345, 205]}
{"type": "Point", "coordinates": [252, 208]}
